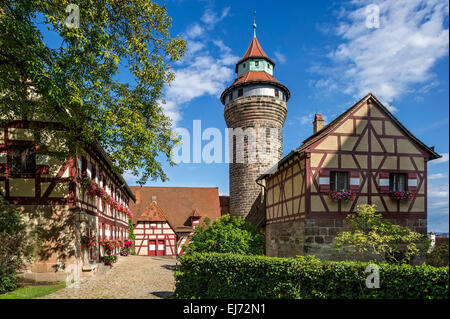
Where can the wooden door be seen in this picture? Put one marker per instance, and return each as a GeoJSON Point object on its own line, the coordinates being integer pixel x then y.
{"type": "Point", "coordinates": [161, 248]}
{"type": "Point", "coordinates": [152, 247]}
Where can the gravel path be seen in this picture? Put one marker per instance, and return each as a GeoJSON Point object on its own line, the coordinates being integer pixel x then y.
{"type": "Point", "coordinates": [132, 277]}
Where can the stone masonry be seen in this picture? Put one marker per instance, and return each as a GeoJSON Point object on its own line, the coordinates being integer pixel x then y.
{"type": "Point", "coordinates": [258, 112]}
{"type": "Point", "coordinates": [316, 236]}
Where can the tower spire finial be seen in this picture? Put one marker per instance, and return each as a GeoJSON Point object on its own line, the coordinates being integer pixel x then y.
{"type": "Point", "coordinates": [254, 24]}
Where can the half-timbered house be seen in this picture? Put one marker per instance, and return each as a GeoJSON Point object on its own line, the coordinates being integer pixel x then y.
{"type": "Point", "coordinates": [363, 156]}
{"type": "Point", "coordinates": [57, 198]}
{"type": "Point", "coordinates": [165, 217]}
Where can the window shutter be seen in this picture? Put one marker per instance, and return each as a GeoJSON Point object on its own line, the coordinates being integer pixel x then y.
{"type": "Point", "coordinates": [324, 181]}
{"type": "Point", "coordinates": [383, 183]}
{"type": "Point", "coordinates": [412, 182]}
{"type": "Point", "coordinates": [354, 180]}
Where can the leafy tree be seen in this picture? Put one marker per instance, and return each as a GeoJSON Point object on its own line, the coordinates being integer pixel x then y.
{"type": "Point", "coordinates": [78, 81]}
{"type": "Point", "coordinates": [370, 233]}
{"type": "Point", "coordinates": [226, 235]}
{"type": "Point", "coordinates": [14, 246]}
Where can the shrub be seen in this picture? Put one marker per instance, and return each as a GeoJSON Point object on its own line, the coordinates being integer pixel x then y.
{"type": "Point", "coordinates": [370, 234]}
{"type": "Point", "coordinates": [226, 235]}
{"type": "Point", "coordinates": [230, 276]}
{"type": "Point", "coordinates": [14, 246]}
{"type": "Point", "coordinates": [438, 257]}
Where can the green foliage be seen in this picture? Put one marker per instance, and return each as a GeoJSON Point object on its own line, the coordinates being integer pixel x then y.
{"type": "Point", "coordinates": [438, 257]}
{"type": "Point", "coordinates": [131, 235]}
{"type": "Point", "coordinates": [109, 259]}
{"type": "Point", "coordinates": [231, 276]}
{"type": "Point", "coordinates": [30, 292]}
{"type": "Point", "coordinates": [226, 235]}
{"type": "Point", "coordinates": [14, 246]}
{"type": "Point", "coordinates": [370, 234]}
{"type": "Point", "coordinates": [76, 80]}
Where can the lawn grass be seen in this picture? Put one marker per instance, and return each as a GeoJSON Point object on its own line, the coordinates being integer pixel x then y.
{"type": "Point", "coordinates": [30, 292]}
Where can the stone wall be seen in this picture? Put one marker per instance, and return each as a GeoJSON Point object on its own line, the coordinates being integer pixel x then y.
{"type": "Point", "coordinates": [316, 236]}
{"type": "Point", "coordinates": [57, 251]}
{"type": "Point", "coordinates": [260, 113]}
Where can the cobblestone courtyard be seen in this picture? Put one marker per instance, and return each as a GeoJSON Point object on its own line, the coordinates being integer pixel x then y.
{"type": "Point", "coordinates": [132, 277]}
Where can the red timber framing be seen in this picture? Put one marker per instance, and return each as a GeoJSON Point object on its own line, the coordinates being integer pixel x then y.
{"type": "Point", "coordinates": [67, 173]}
{"type": "Point", "coordinates": [360, 131]}
{"type": "Point", "coordinates": [151, 237]}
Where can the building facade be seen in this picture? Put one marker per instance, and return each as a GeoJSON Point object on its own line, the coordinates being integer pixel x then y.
{"type": "Point", "coordinates": [255, 111]}
{"type": "Point", "coordinates": [364, 156]}
{"type": "Point", "coordinates": [154, 235]}
{"type": "Point", "coordinates": [165, 217]}
{"type": "Point", "coordinates": [50, 193]}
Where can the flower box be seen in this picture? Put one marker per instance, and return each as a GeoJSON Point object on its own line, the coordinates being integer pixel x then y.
{"type": "Point", "coordinates": [345, 195]}
{"type": "Point", "coordinates": [402, 195]}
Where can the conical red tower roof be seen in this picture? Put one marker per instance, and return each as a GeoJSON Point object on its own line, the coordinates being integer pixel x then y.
{"type": "Point", "coordinates": [254, 51]}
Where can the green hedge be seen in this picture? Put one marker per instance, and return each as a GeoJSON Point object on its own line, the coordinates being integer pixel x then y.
{"type": "Point", "coordinates": [232, 276]}
{"type": "Point", "coordinates": [8, 280]}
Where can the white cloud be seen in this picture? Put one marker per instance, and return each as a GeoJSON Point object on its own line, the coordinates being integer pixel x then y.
{"type": "Point", "coordinates": [210, 17]}
{"type": "Point", "coordinates": [443, 159]}
{"type": "Point", "coordinates": [280, 57]}
{"type": "Point", "coordinates": [437, 176]}
{"type": "Point", "coordinates": [194, 31]}
{"type": "Point", "coordinates": [206, 68]}
{"type": "Point", "coordinates": [438, 191]}
{"type": "Point", "coordinates": [388, 60]}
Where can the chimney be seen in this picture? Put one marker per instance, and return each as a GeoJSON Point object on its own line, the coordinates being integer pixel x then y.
{"type": "Point", "coordinates": [318, 123]}
{"type": "Point", "coordinates": [153, 198]}
{"type": "Point", "coordinates": [138, 196]}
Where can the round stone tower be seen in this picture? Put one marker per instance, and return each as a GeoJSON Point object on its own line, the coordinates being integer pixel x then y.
{"type": "Point", "coordinates": [255, 110]}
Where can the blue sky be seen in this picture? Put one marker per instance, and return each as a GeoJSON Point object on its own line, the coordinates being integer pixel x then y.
{"type": "Point", "coordinates": [329, 59]}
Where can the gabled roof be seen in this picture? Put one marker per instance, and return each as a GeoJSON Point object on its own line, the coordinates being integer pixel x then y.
{"type": "Point", "coordinates": [178, 204]}
{"type": "Point", "coordinates": [254, 51]}
{"type": "Point", "coordinates": [332, 125]}
{"type": "Point", "coordinates": [152, 213]}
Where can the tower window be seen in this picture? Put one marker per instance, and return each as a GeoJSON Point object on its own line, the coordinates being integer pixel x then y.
{"type": "Point", "coordinates": [230, 96]}
{"type": "Point", "coordinates": [240, 92]}
{"type": "Point", "coordinates": [277, 93]}
{"type": "Point", "coordinates": [256, 63]}
{"type": "Point", "coordinates": [243, 65]}
{"type": "Point", "coordinates": [268, 65]}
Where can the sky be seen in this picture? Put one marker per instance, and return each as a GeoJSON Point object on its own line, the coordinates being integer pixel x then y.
{"type": "Point", "coordinates": [329, 58]}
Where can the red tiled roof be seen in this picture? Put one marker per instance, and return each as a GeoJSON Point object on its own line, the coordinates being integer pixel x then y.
{"type": "Point", "coordinates": [254, 51]}
{"type": "Point", "coordinates": [178, 204]}
{"type": "Point", "coordinates": [252, 76]}
{"type": "Point", "coordinates": [152, 213]}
